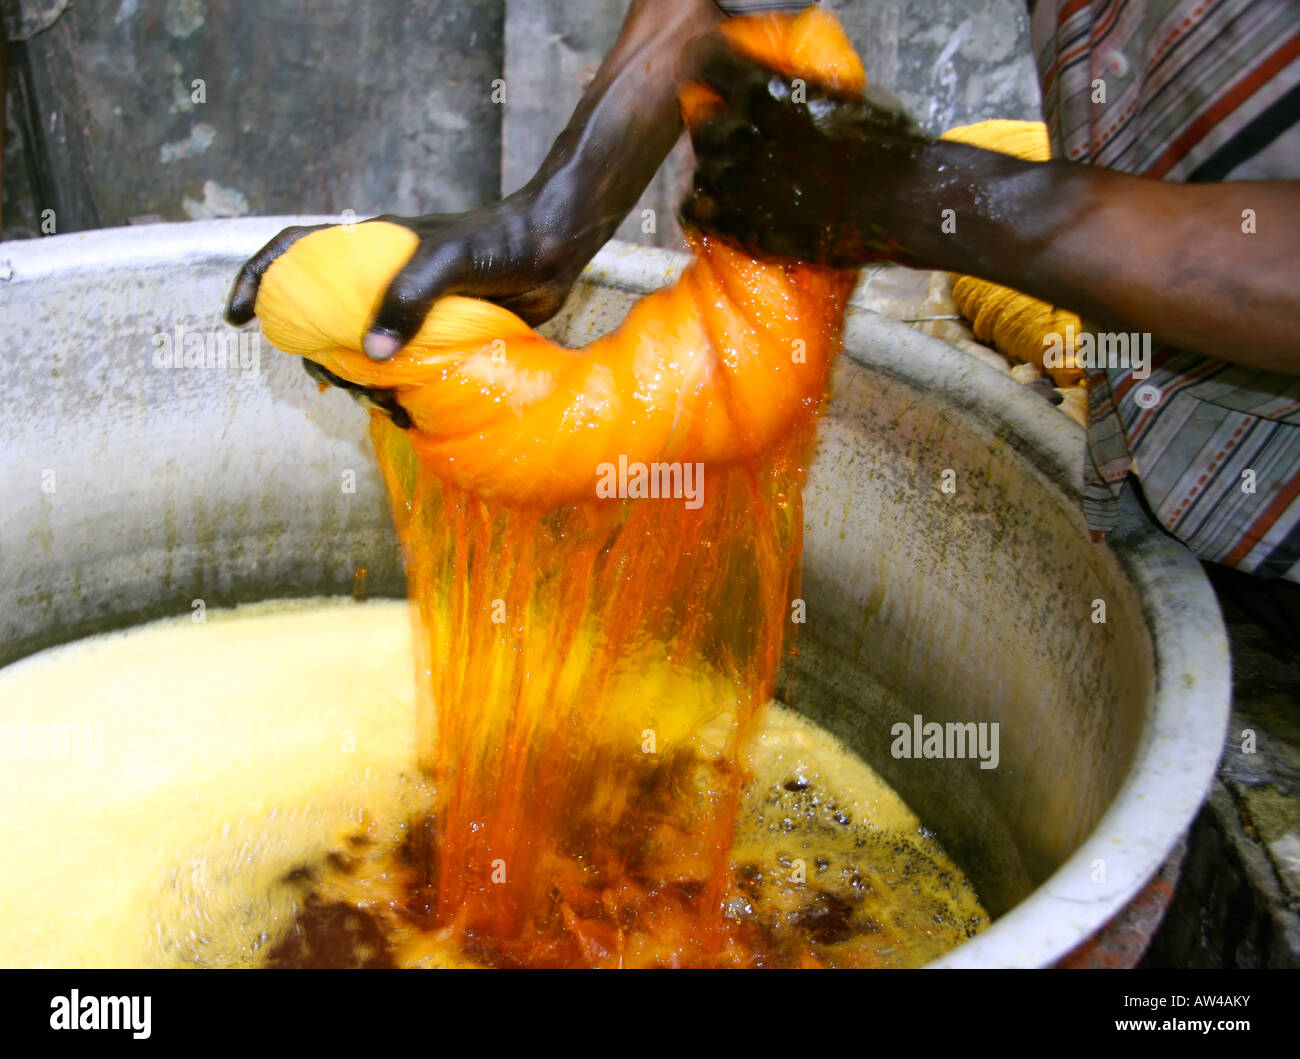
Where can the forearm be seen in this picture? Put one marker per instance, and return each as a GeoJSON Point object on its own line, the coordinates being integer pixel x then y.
{"type": "Point", "coordinates": [1122, 251]}
{"type": "Point", "coordinates": [622, 130]}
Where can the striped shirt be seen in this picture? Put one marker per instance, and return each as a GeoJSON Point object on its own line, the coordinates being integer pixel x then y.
{"type": "Point", "coordinates": [755, 7]}
{"type": "Point", "coordinates": [1194, 90]}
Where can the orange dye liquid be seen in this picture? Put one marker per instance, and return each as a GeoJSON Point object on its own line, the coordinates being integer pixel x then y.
{"type": "Point", "coordinates": [588, 675]}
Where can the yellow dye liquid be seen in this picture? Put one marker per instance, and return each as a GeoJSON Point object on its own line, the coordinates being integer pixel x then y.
{"type": "Point", "coordinates": [246, 791]}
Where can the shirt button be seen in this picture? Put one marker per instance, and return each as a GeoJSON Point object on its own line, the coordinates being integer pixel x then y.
{"type": "Point", "coordinates": [1116, 64]}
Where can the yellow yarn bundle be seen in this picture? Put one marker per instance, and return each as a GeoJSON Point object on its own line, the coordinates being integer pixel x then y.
{"type": "Point", "coordinates": [1015, 323]}
{"type": "Point", "coordinates": [1022, 139]}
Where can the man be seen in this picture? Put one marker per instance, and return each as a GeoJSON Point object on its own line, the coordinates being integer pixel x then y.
{"type": "Point", "coordinates": [1203, 95]}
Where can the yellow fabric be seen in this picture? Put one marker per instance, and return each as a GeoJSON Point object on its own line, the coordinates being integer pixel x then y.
{"type": "Point", "coordinates": [1013, 322]}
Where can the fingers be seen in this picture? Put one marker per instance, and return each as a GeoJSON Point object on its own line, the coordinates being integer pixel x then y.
{"type": "Point", "coordinates": [242, 303]}
{"type": "Point", "coordinates": [435, 269]}
{"type": "Point", "coordinates": [721, 144]}
{"type": "Point", "coordinates": [537, 305]}
{"type": "Point", "coordinates": [704, 211]}
{"type": "Point", "coordinates": [701, 53]}
{"type": "Point", "coordinates": [368, 397]}
{"type": "Point", "coordinates": [732, 167]}
{"type": "Point", "coordinates": [710, 60]}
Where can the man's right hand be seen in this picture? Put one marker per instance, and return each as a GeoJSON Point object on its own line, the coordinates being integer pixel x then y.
{"type": "Point", "coordinates": [809, 173]}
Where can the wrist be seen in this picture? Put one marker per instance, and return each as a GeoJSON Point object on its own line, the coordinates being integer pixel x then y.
{"type": "Point", "coordinates": [565, 222]}
{"type": "Point", "coordinates": [964, 209]}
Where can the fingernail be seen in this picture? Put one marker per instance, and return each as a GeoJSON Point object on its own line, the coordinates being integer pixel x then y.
{"type": "Point", "coordinates": [380, 344]}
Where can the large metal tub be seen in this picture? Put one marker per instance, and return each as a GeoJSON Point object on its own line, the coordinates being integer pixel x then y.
{"type": "Point", "coordinates": [975, 605]}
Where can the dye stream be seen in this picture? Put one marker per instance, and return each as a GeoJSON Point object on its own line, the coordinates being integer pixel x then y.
{"type": "Point", "coordinates": [591, 674]}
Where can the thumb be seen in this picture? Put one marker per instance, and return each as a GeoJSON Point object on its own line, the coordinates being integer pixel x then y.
{"type": "Point", "coordinates": [431, 272]}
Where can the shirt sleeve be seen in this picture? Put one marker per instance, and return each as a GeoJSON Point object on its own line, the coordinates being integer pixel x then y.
{"type": "Point", "coordinates": [754, 7]}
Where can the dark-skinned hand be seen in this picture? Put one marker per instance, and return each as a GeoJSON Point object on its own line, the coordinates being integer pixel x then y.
{"type": "Point", "coordinates": [504, 252]}
{"type": "Point", "coordinates": [790, 169]}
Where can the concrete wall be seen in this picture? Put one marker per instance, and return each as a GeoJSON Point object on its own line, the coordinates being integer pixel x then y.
{"type": "Point", "coordinates": [310, 108]}
{"type": "Point", "coordinates": [382, 106]}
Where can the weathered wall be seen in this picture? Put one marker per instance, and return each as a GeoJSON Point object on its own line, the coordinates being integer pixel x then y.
{"type": "Point", "coordinates": [375, 107]}
{"type": "Point", "coordinates": [951, 62]}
